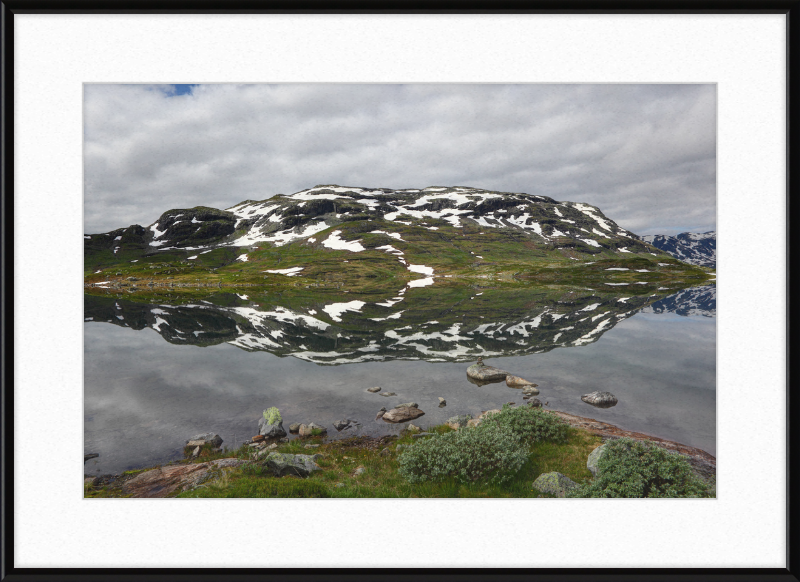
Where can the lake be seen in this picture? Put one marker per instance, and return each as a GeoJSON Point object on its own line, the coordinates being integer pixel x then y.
{"type": "Point", "coordinates": [157, 374]}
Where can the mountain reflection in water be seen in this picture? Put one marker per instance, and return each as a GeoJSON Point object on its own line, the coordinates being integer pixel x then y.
{"type": "Point", "coordinates": [514, 326]}
{"type": "Point", "coordinates": [224, 361]}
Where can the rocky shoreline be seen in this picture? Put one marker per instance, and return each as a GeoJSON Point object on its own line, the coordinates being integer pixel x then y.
{"type": "Point", "coordinates": [192, 471]}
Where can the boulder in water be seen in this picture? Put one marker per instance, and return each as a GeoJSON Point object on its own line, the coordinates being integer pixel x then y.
{"type": "Point", "coordinates": [481, 374]}
{"type": "Point", "coordinates": [600, 399]}
{"type": "Point", "coordinates": [271, 424]}
{"type": "Point", "coordinates": [402, 414]}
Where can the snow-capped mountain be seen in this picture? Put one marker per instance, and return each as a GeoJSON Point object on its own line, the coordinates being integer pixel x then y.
{"type": "Point", "coordinates": [690, 247]}
{"type": "Point", "coordinates": [308, 214]}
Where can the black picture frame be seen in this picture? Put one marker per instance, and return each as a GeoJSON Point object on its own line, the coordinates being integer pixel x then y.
{"type": "Point", "coordinates": [9, 8]}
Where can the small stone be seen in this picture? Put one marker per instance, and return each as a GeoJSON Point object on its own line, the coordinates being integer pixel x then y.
{"type": "Point", "coordinates": [530, 390]}
{"type": "Point", "coordinates": [294, 427]}
{"type": "Point", "coordinates": [311, 446]}
{"type": "Point", "coordinates": [517, 382]}
{"type": "Point", "coordinates": [283, 440]}
{"type": "Point", "coordinates": [309, 429]}
{"type": "Point", "coordinates": [358, 471]}
{"type": "Point", "coordinates": [456, 422]}
{"type": "Point", "coordinates": [375, 389]}
{"type": "Point", "coordinates": [271, 447]}
{"type": "Point", "coordinates": [388, 394]}
{"type": "Point", "coordinates": [380, 413]}
{"type": "Point", "coordinates": [340, 425]}
{"type": "Point", "coordinates": [442, 402]}
{"type": "Point", "coordinates": [258, 437]}
{"type": "Point", "coordinates": [413, 428]}
{"type": "Point", "coordinates": [196, 452]}
{"type": "Point", "coordinates": [535, 402]}
{"type": "Point", "coordinates": [208, 438]}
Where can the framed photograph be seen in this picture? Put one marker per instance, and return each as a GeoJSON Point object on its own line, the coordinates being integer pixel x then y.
{"type": "Point", "coordinates": [340, 267]}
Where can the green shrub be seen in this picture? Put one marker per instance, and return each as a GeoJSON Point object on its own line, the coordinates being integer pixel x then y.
{"type": "Point", "coordinates": [630, 468]}
{"type": "Point", "coordinates": [531, 425]}
{"type": "Point", "coordinates": [272, 415]}
{"type": "Point", "coordinates": [493, 453]}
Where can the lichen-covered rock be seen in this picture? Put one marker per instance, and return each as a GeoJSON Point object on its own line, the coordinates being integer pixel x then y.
{"type": "Point", "coordinates": [594, 458]}
{"type": "Point", "coordinates": [271, 430]}
{"type": "Point", "coordinates": [600, 399]}
{"type": "Point", "coordinates": [409, 404]}
{"type": "Point", "coordinates": [456, 422]}
{"type": "Point", "coordinates": [402, 414]}
{"type": "Point", "coordinates": [517, 382]}
{"type": "Point", "coordinates": [555, 483]}
{"type": "Point", "coordinates": [208, 438]}
{"type": "Point", "coordinates": [530, 390]}
{"type": "Point", "coordinates": [473, 422]}
{"type": "Point", "coordinates": [282, 464]}
{"type": "Point", "coordinates": [271, 424]}
{"type": "Point", "coordinates": [413, 428]}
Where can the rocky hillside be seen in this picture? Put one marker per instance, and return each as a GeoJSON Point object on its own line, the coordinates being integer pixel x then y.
{"type": "Point", "coordinates": [315, 215]}
{"type": "Point", "coordinates": [690, 247]}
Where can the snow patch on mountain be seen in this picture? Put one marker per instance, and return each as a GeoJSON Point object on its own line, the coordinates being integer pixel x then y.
{"type": "Point", "coordinates": [690, 247]}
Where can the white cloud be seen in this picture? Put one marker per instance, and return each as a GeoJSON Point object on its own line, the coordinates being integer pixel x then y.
{"type": "Point", "coordinates": [644, 154]}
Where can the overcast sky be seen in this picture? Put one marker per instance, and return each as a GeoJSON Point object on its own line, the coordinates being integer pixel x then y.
{"type": "Point", "coordinates": [644, 154]}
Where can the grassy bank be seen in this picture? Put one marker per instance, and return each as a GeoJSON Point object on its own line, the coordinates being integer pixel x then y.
{"type": "Point", "coordinates": [380, 477]}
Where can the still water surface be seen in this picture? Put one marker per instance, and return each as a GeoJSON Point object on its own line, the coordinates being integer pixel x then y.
{"type": "Point", "coordinates": [145, 396]}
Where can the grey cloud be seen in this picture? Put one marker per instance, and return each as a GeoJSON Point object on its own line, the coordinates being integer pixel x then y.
{"type": "Point", "coordinates": [644, 154]}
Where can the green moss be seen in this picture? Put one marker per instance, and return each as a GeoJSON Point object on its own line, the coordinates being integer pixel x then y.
{"type": "Point", "coordinates": [272, 415]}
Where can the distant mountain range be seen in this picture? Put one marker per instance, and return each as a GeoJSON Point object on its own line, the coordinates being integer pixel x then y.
{"type": "Point", "coordinates": [690, 247]}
